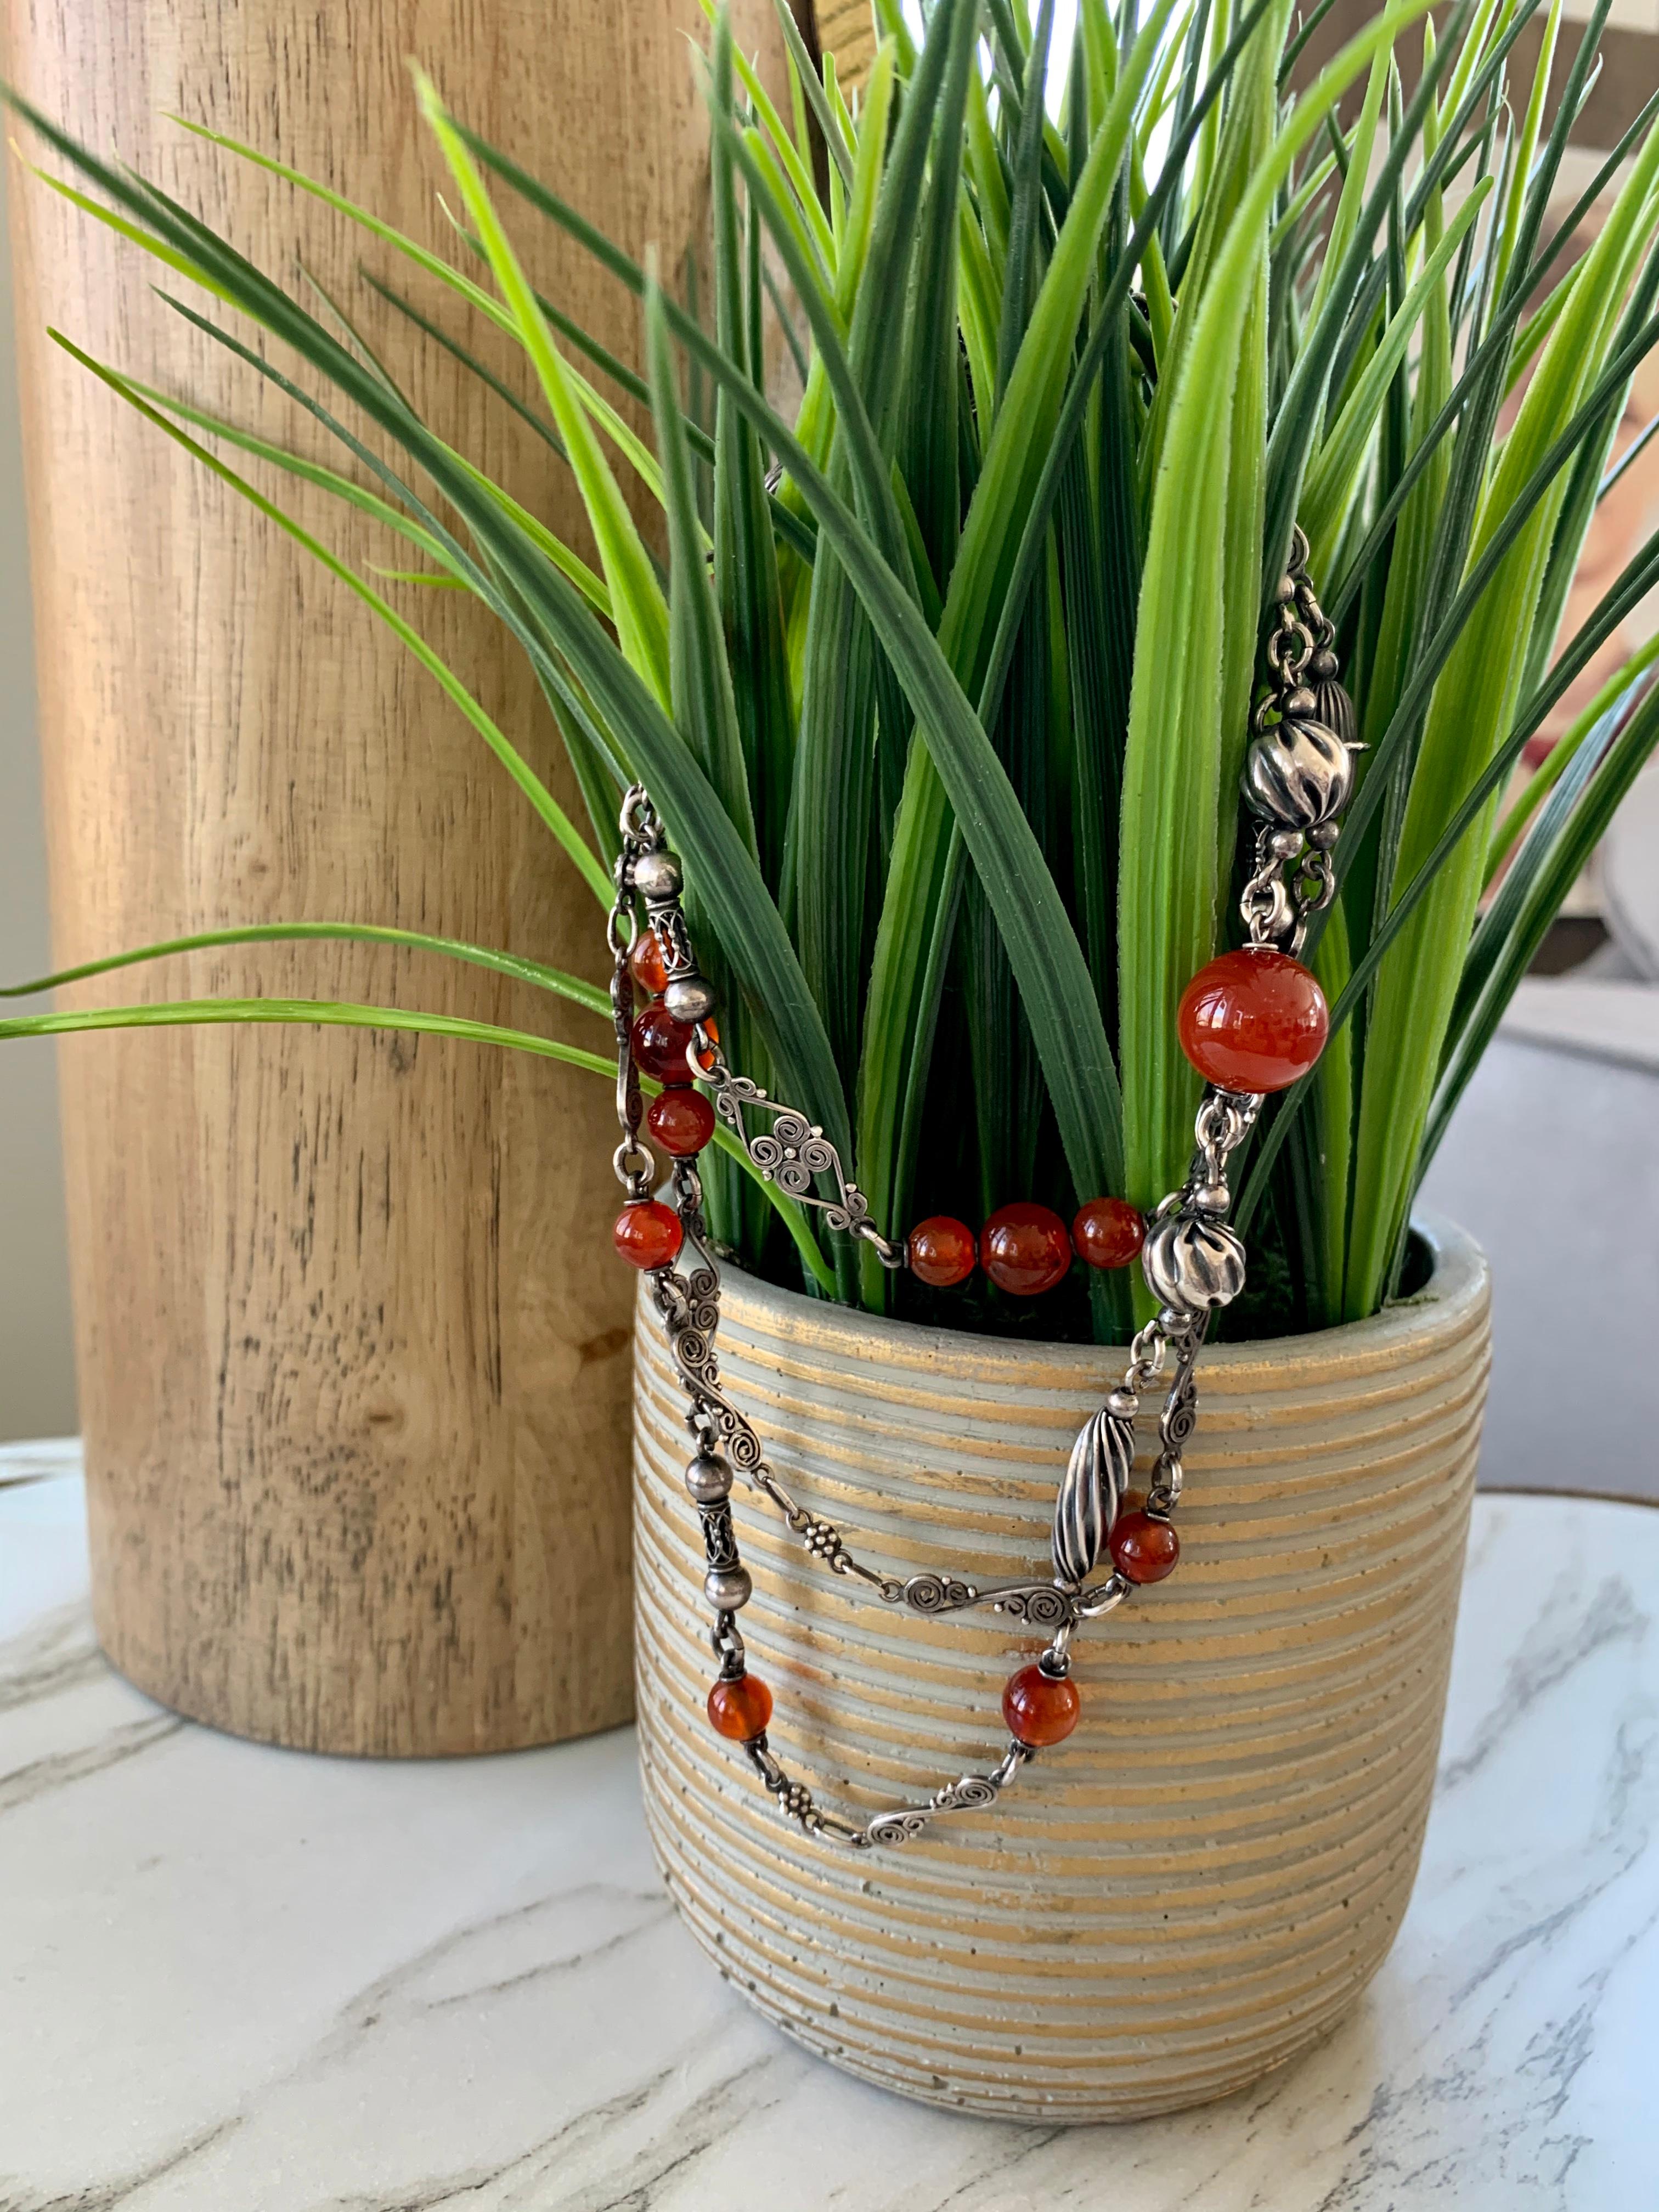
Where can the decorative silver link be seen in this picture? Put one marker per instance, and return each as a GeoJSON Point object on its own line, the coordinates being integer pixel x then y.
{"type": "Point", "coordinates": [793, 1153]}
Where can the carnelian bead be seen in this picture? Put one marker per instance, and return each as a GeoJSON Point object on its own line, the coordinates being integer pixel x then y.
{"type": "Point", "coordinates": [740, 1708]}
{"type": "Point", "coordinates": [646, 965]}
{"type": "Point", "coordinates": [1024, 1249]}
{"type": "Point", "coordinates": [942, 1251]}
{"type": "Point", "coordinates": [1108, 1232]}
{"type": "Point", "coordinates": [1253, 1020]}
{"type": "Point", "coordinates": [682, 1120]}
{"type": "Point", "coordinates": [648, 1234]}
{"type": "Point", "coordinates": [1039, 1708]}
{"type": "Point", "coordinates": [661, 1043]}
{"type": "Point", "coordinates": [1144, 1548]}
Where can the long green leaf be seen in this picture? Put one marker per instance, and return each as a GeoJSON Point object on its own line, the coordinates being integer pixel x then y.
{"type": "Point", "coordinates": [512, 964]}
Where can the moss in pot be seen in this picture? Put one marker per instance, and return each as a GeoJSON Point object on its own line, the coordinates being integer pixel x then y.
{"type": "Point", "coordinates": [946, 690]}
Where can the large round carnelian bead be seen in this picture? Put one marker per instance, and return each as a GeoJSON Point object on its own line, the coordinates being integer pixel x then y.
{"type": "Point", "coordinates": [1108, 1232]}
{"type": "Point", "coordinates": [645, 964]}
{"type": "Point", "coordinates": [740, 1709]}
{"type": "Point", "coordinates": [682, 1120]}
{"type": "Point", "coordinates": [1253, 1020]}
{"type": "Point", "coordinates": [648, 1234]}
{"type": "Point", "coordinates": [942, 1251]}
{"type": "Point", "coordinates": [1039, 1708]}
{"type": "Point", "coordinates": [1144, 1549]}
{"type": "Point", "coordinates": [661, 1043]}
{"type": "Point", "coordinates": [1024, 1249]}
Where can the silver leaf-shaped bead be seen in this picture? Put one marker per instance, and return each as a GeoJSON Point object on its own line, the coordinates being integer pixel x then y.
{"type": "Point", "coordinates": [1298, 774]}
{"type": "Point", "coordinates": [1191, 1263]}
{"type": "Point", "coordinates": [1097, 1475]}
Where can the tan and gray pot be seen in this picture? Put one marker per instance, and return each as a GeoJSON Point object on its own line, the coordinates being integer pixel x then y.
{"type": "Point", "coordinates": [1194, 1886]}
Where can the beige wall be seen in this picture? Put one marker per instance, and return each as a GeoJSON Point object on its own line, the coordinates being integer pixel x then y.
{"type": "Point", "coordinates": [37, 1374]}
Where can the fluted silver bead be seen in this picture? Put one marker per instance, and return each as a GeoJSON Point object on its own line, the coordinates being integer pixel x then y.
{"type": "Point", "coordinates": [1190, 1262]}
{"type": "Point", "coordinates": [1298, 774]}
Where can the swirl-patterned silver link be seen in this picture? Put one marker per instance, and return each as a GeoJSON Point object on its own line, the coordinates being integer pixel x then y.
{"type": "Point", "coordinates": [1298, 776]}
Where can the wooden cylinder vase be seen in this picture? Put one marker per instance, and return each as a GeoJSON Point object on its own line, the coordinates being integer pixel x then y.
{"type": "Point", "coordinates": [1198, 1883]}
{"type": "Point", "coordinates": [353, 1353]}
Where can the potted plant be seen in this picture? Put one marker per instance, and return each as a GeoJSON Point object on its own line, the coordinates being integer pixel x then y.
{"type": "Point", "coordinates": [943, 704]}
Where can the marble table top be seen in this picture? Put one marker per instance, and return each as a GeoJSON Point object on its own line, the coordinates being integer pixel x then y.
{"type": "Point", "coordinates": [234, 1979]}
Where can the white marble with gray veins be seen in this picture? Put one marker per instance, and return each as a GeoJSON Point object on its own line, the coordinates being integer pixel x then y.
{"type": "Point", "coordinates": [234, 1979]}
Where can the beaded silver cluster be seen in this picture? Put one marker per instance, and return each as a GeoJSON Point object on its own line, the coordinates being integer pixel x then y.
{"type": "Point", "coordinates": [1298, 776]}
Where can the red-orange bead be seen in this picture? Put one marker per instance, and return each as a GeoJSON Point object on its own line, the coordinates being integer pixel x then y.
{"type": "Point", "coordinates": [682, 1120]}
{"type": "Point", "coordinates": [648, 1234]}
{"type": "Point", "coordinates": [1024, 1249]}
{"type": "Point", "coordinates": [1039, 1708]}
{"type": "Point", "coordinates": [740, 1709]}
{"type": "Point", "coordinates": [1108, 1232]}
{"type": "Point", "coordinates": [661, 1043]}
{"type": "Point", "coordinates": [1144, 1549]}
{"type": "Point", "coordinates": [1253, 1020]}
{"type": "Point", "coordinates": [942, 1251]}
{"type": "Point", "coordinates": [646, 964]}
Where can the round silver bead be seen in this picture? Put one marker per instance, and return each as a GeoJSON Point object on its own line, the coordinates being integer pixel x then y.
{"type": "Point", "coordinates": [1286, 844]}
{"type": "Point", "coordinates": [689, 998]}
{"type": "Point", "coordinates": [1123, 1403]}
{"type": "Point", "coordinates": [1213, 1198]}
{"type": "Point", "coordinates": [1298, 774]}
{"type": "Point", "coordinates": [1190, 1262]}
{"type": "Point", "coordinates": [657, 877]}
{"type": "Point", "coordinates": [727, 1589]}
{"type": "Point", "coordinates": [709, 1478]}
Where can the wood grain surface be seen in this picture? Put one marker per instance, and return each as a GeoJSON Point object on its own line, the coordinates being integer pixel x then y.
{"type": "Point", "coordinates": [1199, 1882]}
{"type": "Point", "coordinates": [353, 1352]}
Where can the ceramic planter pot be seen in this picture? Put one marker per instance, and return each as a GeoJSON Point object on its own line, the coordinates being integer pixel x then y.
{"type": "Point", "coordinates": [1199, 1883]}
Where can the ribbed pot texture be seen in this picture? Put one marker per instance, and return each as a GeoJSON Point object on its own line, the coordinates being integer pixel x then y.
{"type": "Point", "coordinates": [1194, 1886]}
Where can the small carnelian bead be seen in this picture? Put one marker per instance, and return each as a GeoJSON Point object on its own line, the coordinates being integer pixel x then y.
{"type": "Point", "coordinates": [646, 965]}
{"type": "Point", "coordinates": [1144, 1548]}
{"type": "Point", "coordinates": [740, 1708]}
{"type": "Point", "coordinates": [1108, 1232]}
{"type": "Point", "coordinates": [648, 1234]}
{"type": "Point", "coordinates": [942, 1251]}
{"type": "Point", "coordinates": [1039, 1708]}
{"type": "Point", "coordinates": [661, 1043]}
{"type": "Point", "coordinates": [1253, 1020]}
{"type": "Point", "coordinates": [1024, 1249]}
{"type": "Point", "coordinates": [682, 1120]}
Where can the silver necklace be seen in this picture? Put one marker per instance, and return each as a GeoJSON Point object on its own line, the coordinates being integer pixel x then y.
{"type": "Point", "coordinates": [1298, 777]}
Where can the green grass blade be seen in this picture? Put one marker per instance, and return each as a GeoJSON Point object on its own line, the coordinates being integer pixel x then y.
{"type": "Point", "coordinates": [284, 932]}
{"type": "Point", "coordinates": [1168, 888]}
{"type": "Point", "coordinates": [551, 813]}
{"type": "Point", "coordinates": [331, 1013]}
{"type": "Point", "coordinates": [640, 615]}
{"type": "Point", "coordinates": [704, 706]}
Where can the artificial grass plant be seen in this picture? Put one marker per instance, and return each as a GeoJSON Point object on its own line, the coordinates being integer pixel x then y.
{"type": "Point", "coordinates": [945, 685]}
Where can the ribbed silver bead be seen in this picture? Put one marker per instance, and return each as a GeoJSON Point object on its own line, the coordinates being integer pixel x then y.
{"type": "Point", "coordinates": [1298, 774]}
{"type": "Point", "coordinates": [1191, 1263]}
